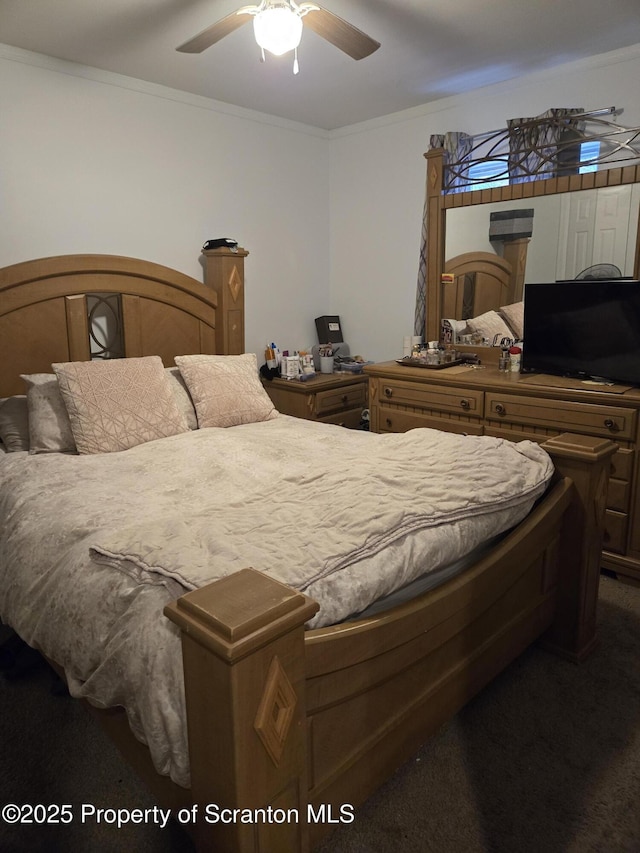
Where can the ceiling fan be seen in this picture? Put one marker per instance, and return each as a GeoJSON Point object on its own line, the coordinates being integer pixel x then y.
{"type": "Point", "coordinates": [277, 26]}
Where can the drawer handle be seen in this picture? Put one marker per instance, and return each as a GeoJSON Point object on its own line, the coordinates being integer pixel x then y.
{"type": "Point", "coordinates": [345, 398]}
{"type": "Point", "coordinates": [388, 392]}
{"type": "Point", "coordinates": [500, 409]}
{"type": "Point", "coordinates": [465, 404]}
{"type": "Point", "coordinates": [389, 422]}
{"type": "Point", "coordinates": [610, 424]}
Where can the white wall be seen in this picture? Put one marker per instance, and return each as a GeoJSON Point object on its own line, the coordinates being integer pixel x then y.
{"type": "Point", "coordinates": [95, 163]}
{"type": "Point", "coordinates": [91, 162]}
{"type": "Point", "coordinates": [378, 177]}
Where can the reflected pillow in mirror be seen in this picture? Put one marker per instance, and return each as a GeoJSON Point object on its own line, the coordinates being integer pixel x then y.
{"type": "Point", "coordinates": [491, 326]}
{"type": "Point", "coordinates": [514, 315]}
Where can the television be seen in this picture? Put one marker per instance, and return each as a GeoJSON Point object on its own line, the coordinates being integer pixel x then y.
{"type": "Point", "coordinates": [587, 329]}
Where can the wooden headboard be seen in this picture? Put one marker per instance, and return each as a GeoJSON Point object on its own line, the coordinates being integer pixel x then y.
{"type": "Point", "coordinates": [44, 314]}
{"type": "Point", "coordinates": [483, 282]}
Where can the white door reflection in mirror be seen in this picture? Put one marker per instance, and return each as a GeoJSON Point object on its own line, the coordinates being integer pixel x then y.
{"type": "Point", "coordinates": [597, 228]}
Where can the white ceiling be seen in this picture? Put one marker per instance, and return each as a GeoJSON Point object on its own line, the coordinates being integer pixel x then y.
{"type": "Point", "coordinates": [430, 49]}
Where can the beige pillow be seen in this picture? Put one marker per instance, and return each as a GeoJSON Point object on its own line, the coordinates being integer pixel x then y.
{"type": "Point", "coordinates": [491, 326]}
{"type": "Point", "coordinates": [514, 315]}
{"type": "Point", "coordinates": [226, 389]}
{"type": "Point", "coordinates": [183, 398]}
{"type": "Point", "coordinates": [120, 403]}
{"type": "Point", "coordinates": [14, 423]}
{"type": "Point", "coordinates": [49, 425]}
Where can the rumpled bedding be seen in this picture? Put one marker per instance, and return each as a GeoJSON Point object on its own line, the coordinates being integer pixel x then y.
{"type": "Point", "coordinates": [93, 547]}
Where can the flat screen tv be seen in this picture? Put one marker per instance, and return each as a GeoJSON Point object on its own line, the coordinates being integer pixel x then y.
{"type": "Point", "coordinates": [587, 329]}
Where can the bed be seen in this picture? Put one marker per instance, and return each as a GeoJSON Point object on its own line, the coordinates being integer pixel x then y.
{"type": "Point", "coordinates": [292, 706]}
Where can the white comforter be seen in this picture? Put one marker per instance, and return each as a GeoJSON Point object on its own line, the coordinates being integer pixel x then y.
{"type": "Point", "coordinates": [93, 547]}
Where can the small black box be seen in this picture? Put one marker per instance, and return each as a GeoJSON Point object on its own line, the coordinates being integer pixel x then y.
{"type": "Point", "coordinates": [329, 330]}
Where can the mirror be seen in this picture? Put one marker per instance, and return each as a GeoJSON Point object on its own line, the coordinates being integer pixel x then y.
{"type": "Point", "coordinates": [571, 231]}
{"type": "Point", "coordinates": [578, 221]}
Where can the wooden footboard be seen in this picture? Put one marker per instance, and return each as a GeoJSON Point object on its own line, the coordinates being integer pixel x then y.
{"type": "Point", "coordinates": [290, 730]}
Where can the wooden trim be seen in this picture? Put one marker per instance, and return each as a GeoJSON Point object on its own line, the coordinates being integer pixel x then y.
{"type": "Point", "coordinates": [131, 316]}
{"type": "Point", "coordinates": [436, 229]}
{"type": "Point", "coordinates": [438, 203]}
{"type": "Point", "coordinates": [78, 326]}
{"type": "Point", "coordinates": [224, 274]}
{"type": "Point", "coordinates": [573, 633]}
{"type": "Point", "coordinates": [243, 650]}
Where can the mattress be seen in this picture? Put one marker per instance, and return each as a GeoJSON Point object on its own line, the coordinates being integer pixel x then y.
{"type": "Point", "coordinates": [93, 547]}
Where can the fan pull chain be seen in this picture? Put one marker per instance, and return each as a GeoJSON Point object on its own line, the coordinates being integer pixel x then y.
{"type": "Point", "coordinates": [296, 67]}
{"type": "Point", "coordinates": [263, 58]}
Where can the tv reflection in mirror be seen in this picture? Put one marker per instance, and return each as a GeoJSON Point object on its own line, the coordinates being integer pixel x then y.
{"type": "Point", "coordinates": [585, 329]}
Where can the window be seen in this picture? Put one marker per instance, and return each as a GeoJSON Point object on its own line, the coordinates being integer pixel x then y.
{"type": "Point", "coordinates": [488, 174]}
{"type": "Point", "coordinates": [589, 154]}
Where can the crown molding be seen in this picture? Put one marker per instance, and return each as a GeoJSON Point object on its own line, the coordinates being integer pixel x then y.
{"type": "Point", "coordinates": [110, 78]}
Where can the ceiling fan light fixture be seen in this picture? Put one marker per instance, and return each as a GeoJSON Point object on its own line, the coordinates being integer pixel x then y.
{"type": "Point", "coordinates": [278, 29]}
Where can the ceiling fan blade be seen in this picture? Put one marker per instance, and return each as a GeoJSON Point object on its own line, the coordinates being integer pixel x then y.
{"type": "Point", "coordinates": [213, 33]}
{"type": "Point", "coordinates": [340, 33]}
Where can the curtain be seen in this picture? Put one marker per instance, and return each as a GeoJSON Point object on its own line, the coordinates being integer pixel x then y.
{"type": "Point", "coordinates": [457, 148]}
{"type": "Point", "coordinates": [533, 144]}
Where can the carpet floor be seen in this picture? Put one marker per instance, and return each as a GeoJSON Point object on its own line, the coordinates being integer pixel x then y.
{"type": "Point", "coordinates": [545, 760]}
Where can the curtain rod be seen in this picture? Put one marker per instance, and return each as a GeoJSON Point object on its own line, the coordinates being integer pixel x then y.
{"type": "Point", "coordinates": [605, 111]}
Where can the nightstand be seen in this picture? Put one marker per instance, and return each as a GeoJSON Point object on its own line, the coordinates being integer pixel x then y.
{"type": "Point", "coordinates": [334, 398]}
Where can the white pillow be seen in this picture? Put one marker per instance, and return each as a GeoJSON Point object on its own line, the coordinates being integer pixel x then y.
{"type": "Point", "coordinates": [514, 315]}
{"type": "Point", "coordinates": [183, 398]}
{"type": "Point", "coordinates": [491, 326]}
{"type": "Point", "coordinates": [226, 389]}
{"type": "Point", "coordinates": [49, 425]}
{"type": "Point", "coordinates": [119, 403]}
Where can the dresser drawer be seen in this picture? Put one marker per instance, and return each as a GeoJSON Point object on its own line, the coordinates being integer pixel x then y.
{"type": "Point", "coordinates": [618, 495]}
{"type": "Point", "coordinates": [620, 475]}
{"type": "Point", "coordinates": [339, 399]}
{"type": "Point", "coordinates": [397, 420]}
{"type": "Point", "coordinates": [615, 531]}
{"type": "Point", "coordinates": [351, 418]}
{"type": "Point", "coordinates": [622, 464]}
{"type": "Point", "coordinates": [431, 398]}
{"type": "Point", "coordinates": [608, 421]}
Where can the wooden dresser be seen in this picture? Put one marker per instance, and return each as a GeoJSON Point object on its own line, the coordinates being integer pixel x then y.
{"type": "Point", "coordinates": [334, 398]}
{"type": "Point", "coordinates": [486, 401]}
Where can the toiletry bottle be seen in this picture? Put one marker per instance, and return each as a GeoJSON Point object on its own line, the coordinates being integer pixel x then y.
{"type": "Point", "coordinates": [515, 354]}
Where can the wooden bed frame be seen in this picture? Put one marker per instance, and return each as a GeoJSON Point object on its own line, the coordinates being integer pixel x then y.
{"type": "Point", "coordinates": [303, 724]}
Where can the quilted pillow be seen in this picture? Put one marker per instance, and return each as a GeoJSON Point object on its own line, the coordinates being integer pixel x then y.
{"type": "Point", "coordinates": [226, 389]}
{"type": "Point", "coordinates": [117, 404]}
{"type": "Point", "coordinates": [491, 326]}
{"type": "Point", "coordinates": [514, 315]}
{"type": "Point", "coordinates": [49, 425]}
{"type": "Point", "coordinates": [183, 398]}
{"type": "Point", "coordinates": [14, 423]}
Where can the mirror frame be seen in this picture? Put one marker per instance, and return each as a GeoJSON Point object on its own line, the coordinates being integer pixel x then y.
{"type": "Point", "coordinates": [438, 202]}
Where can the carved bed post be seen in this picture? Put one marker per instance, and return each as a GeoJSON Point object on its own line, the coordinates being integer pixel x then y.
{"type": "Point", "coordinates": [243, 651]}
{"type": "Point", "coordinates": [515, 253]}
{"type": "Point", "coordinates": [586, 460]}
{"type": "Point", "coordinates": [224, 273]}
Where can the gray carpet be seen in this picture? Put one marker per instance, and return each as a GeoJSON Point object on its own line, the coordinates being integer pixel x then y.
{"type": "Point", "coordinates": [545, 760]}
